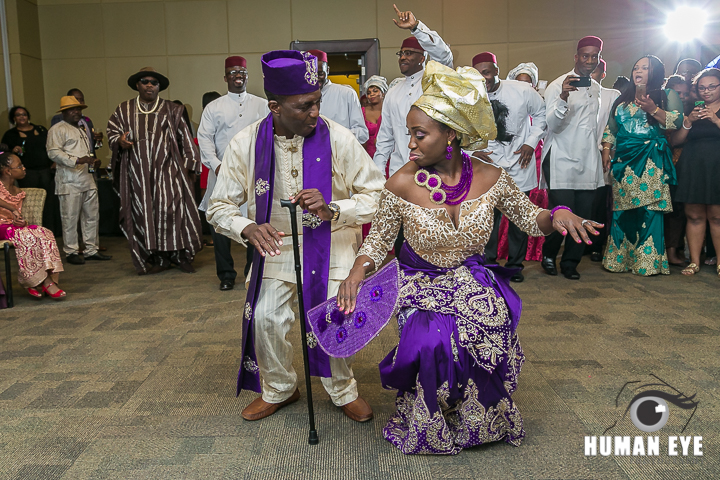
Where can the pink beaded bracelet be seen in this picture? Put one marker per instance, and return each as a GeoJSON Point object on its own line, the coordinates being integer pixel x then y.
{"type": "Point", "coordinates": [559, 207]}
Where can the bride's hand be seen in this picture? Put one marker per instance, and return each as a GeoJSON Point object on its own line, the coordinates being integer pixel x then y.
{"type": "Point", "coordinates": [347, 293]}
{"type": "Point", "coordinates": [565, 221]}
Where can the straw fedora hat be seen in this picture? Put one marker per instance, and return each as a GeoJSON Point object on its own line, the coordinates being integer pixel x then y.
{"type": "Point", "coordinates": [148, 72]}
{"type": "Point", "coordinates": [70, 102]}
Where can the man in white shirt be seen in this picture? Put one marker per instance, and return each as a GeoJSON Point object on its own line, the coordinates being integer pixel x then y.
{"type": "Point", "coordinates": [392, 140]}
{"type": "Point", "coordinates": [298, 154]}
{"type": "Point", "coordinates": [393, 137]}
{"type": "Point", "coordinates": [572, 165]}
{"type": "Point", "coordinates": [340, 103]}
{"type": "Point", "coordinates": [221, 120]}
{"type": "Point", "coordinates": [69, 146]}
{"type": "Point", "coordinates": [603, 195]}
{"type": "Point", "coordinates": [525, 121]}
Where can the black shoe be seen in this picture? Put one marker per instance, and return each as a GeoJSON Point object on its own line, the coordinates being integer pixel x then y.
{"type": "Point", "coordinates": [517, 278]}
{"type": "Point", "coordinates": [186, 267]}
{"type": "Point", "coordinates": [596, 257]}
{"type": "Point", "coordinates": [98, 256]}
{"type": "Point", "coordinates": [571, 273]}
{"type": "Point", "coordinates": [227, 285]}
{"type": "Point", "coordinates": [153, 269]}
{"type": "Point", "coordinates": [76, 259]}
{"type": "Point", "coordinates": [548, 264]}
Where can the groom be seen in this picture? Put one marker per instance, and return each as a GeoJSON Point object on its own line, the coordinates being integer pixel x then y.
{"type": "Point", "coordinates": [294, 153]}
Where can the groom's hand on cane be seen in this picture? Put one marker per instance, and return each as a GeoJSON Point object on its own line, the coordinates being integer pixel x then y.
{"type": "Point", "coordinates": [311, 199]}
{"type": "Point", "coordinates": [264, 238]}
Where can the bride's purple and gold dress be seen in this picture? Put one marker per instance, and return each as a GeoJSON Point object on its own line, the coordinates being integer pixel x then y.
{"type": "Point", "coordinates": [458, 358]}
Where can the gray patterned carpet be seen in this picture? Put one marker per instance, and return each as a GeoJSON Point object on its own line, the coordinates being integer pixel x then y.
{"type": "Point", "coordinates": [134, 377]}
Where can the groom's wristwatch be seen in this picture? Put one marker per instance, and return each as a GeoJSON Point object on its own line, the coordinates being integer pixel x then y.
{"type": "Point", "coordinates": [335, 210]}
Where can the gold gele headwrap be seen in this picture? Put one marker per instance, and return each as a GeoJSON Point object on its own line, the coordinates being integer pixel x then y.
{"type": "Point", "coordinates": [459, 100]}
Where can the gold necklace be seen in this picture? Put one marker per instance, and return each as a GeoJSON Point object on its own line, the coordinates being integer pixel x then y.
{"type": "Point", "coordinates": [147, 112]}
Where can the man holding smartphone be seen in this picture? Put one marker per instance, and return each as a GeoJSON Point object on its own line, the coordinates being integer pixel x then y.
{"type": "Point", "coordinates": [572, 164]}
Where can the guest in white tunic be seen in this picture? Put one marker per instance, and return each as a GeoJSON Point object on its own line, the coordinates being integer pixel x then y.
{"type": "Point", "coordinates": [69, 146]}
{"type": "Point", "coordinates": [603, 195]}
{"type": "Point", "coordinates": [340, 103]}
{"type": "Point", "coordinates": [393, 138]}
{"type": "Point", "coordinates": [525, 122]}
{"type": "Point", "coordinates": [221, 120]}
{"type": "Point", "coordinates": [572, 165]}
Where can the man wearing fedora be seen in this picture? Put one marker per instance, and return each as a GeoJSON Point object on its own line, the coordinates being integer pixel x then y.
{"type": "Point", "coordinates": [153, 154]}
{"type": "Point", "coordinates": [69, 146]}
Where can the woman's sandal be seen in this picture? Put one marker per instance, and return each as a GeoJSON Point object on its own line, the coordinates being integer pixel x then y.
{"type": "Point", "coordinates": [35, 292]}
{"type": "Point", "coordinates": [691, 269]}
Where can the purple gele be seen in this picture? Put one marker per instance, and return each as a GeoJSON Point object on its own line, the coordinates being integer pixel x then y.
{"type": "Point", "coordinates": [341, 334]}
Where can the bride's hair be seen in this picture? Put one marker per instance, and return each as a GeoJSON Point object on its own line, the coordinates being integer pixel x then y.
{"type": "Point", "coordinates": [500, 112]}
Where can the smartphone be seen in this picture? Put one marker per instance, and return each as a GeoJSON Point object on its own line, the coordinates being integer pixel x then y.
{"type": "Point", "coordinates": [582, 82]}
{"type": "Point", "coordinates": [700, 103]}
{"type": "Point", "coordinates": [640, 91]}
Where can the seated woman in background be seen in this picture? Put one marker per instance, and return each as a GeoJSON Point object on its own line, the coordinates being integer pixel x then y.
{"type": "Point", "coordinates": [28, 141]}
{"type": "Point", "coordinates": [699, 167]}
{"type": "Point", "coordinates": [37, 253]}
{"type": "Point", "coordinates": [638, 155]}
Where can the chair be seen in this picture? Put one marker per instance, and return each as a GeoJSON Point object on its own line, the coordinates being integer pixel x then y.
{"type": "Point", "coordinates": [32, 211]}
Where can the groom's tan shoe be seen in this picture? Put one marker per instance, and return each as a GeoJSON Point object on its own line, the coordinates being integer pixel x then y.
{"type": "Point", "coordinates": [358, 410]}
{"type": "Point", "coordinates": [259, 408]}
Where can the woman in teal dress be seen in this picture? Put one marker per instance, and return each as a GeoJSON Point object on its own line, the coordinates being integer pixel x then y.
{"type": "Point", "coordinates": [637, 152]}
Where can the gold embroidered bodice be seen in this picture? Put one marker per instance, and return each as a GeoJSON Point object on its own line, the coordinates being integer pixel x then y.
{"type": "Point", "coordinates": [431, 232]}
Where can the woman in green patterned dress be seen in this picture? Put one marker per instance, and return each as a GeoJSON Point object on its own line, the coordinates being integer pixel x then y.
{"type": "Point", "coordinates": [636, 151]}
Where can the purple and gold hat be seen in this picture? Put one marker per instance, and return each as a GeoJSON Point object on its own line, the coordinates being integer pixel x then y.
{"type": "Point", "coordinates": [289, 72]}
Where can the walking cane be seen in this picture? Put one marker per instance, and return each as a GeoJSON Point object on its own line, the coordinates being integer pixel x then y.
{"type": "Point", "coordinates": [313, 437]}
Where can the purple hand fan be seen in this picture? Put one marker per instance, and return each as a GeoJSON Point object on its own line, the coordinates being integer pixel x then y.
{"type": "Point", "coordinates": [341, 335]}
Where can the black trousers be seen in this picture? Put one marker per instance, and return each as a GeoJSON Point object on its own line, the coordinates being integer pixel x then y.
{"type": "Point", "coordinates": [581, 203]}
{"type": "Point", "coordinates": [224, 264]}
{"type": "Point", "coordinates": [675, 222]}
{"type": "Point", "coordinates": [517, 243]}
{"type": "Point", "coordinates": [601, 213]}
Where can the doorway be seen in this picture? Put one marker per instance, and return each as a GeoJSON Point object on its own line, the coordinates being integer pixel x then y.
{"type": "Point", "coordinates": [351, 62]}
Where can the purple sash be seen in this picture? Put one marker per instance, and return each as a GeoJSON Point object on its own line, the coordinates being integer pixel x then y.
{"type": "Point", "coordinates": [317, 173]}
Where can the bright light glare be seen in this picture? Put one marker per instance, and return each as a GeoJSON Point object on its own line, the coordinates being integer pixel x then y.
{"type": "Point", "coordinates": [685, 23]}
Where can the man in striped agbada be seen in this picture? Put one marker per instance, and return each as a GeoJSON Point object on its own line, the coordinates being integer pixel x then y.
{"type": "Point", "coordinates": [153, 157]}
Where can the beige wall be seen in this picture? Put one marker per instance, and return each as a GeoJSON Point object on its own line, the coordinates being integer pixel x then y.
{"type": "Point", "coordinates": [25, 60]}
{"type": "Point", "coordinates": [95, 45]}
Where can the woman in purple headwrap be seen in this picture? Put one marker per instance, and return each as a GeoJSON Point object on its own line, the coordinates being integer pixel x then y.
{"type": "Point", "coordinates": [458, 358]}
